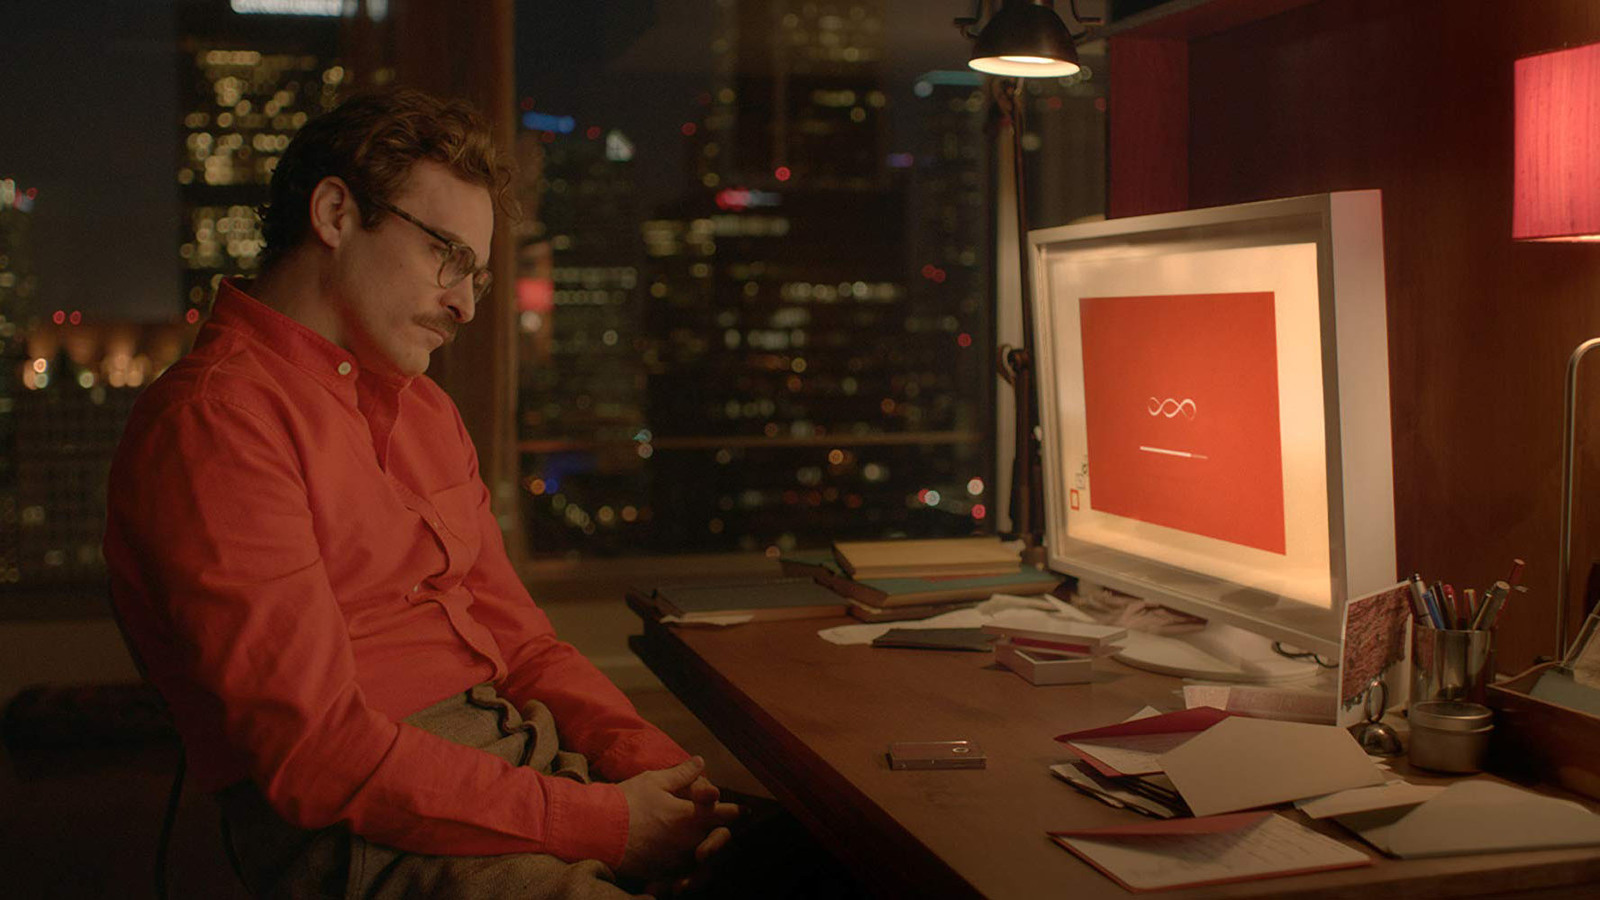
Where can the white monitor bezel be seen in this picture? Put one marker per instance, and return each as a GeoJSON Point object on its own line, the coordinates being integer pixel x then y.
{"type": "Point", "coordinates": [1347, 229]}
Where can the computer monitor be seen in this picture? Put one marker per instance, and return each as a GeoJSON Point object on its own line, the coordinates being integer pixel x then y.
{"type": "Point", "coordinates": [1214, 405]}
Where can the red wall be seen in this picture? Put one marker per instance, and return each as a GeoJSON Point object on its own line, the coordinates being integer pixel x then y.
{"type": "Point", "coordinates": [1413, 98]}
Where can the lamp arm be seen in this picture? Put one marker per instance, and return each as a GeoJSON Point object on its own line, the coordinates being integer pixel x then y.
{"type": "Point", "coordinates": [1569, 438]}
{"type": "Point", "coordinates": [1025, 512]}
{"type": "Point", "coordinates": [964, 23]}
{"type": "Point", "coordinates": [1082, 20]}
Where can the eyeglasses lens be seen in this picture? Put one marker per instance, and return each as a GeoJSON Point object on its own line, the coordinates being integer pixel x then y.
{"type": "Point", "coordinates": [480, 283]}
{"type": "Point", "coordinates": [460, 263]}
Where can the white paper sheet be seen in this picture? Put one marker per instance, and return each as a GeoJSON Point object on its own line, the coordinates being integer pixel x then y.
{"type": "Point", "coordinates": [1001, 608]}
{"type": "Point", "coordinates": [1272, 846]}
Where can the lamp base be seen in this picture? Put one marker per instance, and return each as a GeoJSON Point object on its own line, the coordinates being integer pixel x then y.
{"type": "Point", "coordinates": [1034, 555]}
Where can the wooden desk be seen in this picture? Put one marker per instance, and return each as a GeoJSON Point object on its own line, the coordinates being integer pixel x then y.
{"type": "Point", "coordinates": [812, 721]}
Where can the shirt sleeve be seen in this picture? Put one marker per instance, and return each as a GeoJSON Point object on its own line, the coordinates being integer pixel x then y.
{"type": "Point", "coordinates": [594, 717]}
{"type": "Point", "coordinates": [236, 618]}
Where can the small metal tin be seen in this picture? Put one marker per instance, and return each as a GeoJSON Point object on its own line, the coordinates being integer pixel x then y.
{"type": "Point", "coordinates": [1450, 735]}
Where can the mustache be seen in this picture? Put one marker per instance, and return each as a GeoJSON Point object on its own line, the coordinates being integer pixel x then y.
{"type": "Point", "coordinates": [442, 323]}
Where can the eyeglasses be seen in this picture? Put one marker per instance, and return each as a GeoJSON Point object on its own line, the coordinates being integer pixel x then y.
{"type": "Point", "coordinates": [458, 261]}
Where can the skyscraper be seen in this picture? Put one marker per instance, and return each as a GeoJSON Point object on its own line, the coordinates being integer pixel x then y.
{"type": "Point", "coordinates": [949, 239]}
{"type": "Point", "coordinates": [246, 85]}
{"type": "Point", "coordinates": [798, 86]}
{"type": "Point", "coordinates": [18, 285]}
{"type": "Point", "coordinates": [77, 386]}
{"type": "Point", "coordinates": [67, 381]}
{"type": "Point", "coordinates": [582, 378]}
{"type": "Point", "coordinates": [815, 346]}
{"type": "Point", "coordinates": [803, 385]}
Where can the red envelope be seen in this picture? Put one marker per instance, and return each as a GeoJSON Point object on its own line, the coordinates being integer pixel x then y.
{"type": "Point", "coordinates": [1184, 721]}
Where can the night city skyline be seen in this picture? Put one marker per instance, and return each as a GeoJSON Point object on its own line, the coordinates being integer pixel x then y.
{"type": "Point", "coordinates": [111, 188]}
{"type": "Point", "coordinates": [754, 292]}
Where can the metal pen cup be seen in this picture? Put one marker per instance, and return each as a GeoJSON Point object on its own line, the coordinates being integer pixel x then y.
{"type": "Point", "coordinates": [1448, 664]}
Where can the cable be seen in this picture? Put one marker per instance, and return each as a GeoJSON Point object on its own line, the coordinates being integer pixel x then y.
{"type": "Point", "coordinates": [1277, 647]}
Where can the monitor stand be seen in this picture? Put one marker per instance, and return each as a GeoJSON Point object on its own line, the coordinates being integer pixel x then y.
{"type": "Point", "coordinates": [1218, 652]}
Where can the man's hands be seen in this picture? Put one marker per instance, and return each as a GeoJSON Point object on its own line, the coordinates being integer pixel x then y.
{"type": "Point", "coordinates": [675, 820]}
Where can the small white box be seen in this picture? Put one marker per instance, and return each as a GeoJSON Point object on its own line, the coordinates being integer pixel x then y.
{"type": "Point", "coordinates": [1039, 667]}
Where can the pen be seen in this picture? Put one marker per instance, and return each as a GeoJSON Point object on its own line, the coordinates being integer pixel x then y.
{"type": "Point", "coordinates": [1470, 596]}
{"type": "Point", "coordinates": [1517, 566]}
{"type": "Point", "coordinates": [1495, 618]}
{"type": "Point", "coordinates": [1419, 606]}
{"type": "Point", "coordinates": [1435, 615]}
{"type": "Point", "coordinates": [1491, 606]}
{"type": "Point", "coordinates": [1451, 610]}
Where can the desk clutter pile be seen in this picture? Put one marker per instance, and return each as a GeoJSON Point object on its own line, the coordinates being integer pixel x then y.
{"type": "Point", "coordinates": [1203, 782]}
{"type": "Point", "coordinates": [1248, 781]}
{"type": "Point", "coordinates": [873, 581]}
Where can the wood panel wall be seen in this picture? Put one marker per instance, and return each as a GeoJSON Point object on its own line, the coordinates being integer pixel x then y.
{"type": "Point", "coordinates": [449, 50]}
{"type": "Point", "coordinates": [1413, 98]}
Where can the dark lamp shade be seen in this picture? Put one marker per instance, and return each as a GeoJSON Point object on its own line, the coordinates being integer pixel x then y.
{"type": "Point", "coordinates": [1557, 175]}
{"type": "Point", "coordinates": [1025, 40]}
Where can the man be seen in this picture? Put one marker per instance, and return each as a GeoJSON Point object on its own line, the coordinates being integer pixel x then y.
{"type": "Point", "coordinates": [304, 557]}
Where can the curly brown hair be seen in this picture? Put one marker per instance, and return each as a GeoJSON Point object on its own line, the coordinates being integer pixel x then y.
{"type": "Point", "coordinates": [371, 141]}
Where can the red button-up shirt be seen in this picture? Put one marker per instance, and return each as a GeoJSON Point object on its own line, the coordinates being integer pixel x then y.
{"type": "Point", "coordinates": [303, 554]}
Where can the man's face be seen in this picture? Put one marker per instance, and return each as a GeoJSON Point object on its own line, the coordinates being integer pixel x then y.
{"type": "Point", "coordinates": [394, 313]}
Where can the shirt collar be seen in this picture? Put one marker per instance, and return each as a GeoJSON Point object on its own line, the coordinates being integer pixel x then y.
{"type": "Point", "coordinates": [376, 397]}
{"type": "Point", "coordinates": [323, 359]}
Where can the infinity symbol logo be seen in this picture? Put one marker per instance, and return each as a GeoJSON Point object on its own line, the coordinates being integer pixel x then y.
{"type": "Point", "coordinates": [1170, 407]}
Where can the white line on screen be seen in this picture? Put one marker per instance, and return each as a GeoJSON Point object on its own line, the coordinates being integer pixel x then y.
{"type": "Point", "coordinates": [1183, 453]}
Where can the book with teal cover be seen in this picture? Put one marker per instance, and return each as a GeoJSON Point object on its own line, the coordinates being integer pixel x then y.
{"type": "Point", "coordinates": [915, 591]}
{"type": "Point", "coordinates": [766, 599]}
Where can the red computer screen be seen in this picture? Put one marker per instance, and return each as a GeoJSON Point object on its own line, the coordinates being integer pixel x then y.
{"type": "Point", "coordinates": [1181, 409]}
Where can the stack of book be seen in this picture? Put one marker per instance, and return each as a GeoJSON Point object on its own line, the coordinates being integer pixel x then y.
{"type": "Point", "coordinates": [900, 580]}
{"type": "Point", "coordinates": [763, 600]}
{"type": "Point", "coordinates": [1054, 653]}
{"type": "Point", "coordinates": [937, 556]}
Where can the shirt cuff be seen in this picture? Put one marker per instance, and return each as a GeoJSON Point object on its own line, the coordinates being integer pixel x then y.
{"type": "Point", "coordinates": [641, 751]}
{"type": "Point", "coordinates": [586, 821]}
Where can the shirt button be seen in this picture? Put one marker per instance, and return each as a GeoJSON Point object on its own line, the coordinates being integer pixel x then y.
{"type": "Point", "coordinates": [344, 368]}
{"type": "Point", "coordinates": [416, 587]}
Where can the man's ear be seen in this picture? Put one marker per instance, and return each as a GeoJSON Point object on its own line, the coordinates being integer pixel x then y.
{"type": "Point", "coordinates": [334, 212]}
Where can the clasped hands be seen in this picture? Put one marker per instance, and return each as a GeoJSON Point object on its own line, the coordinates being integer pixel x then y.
{"type": "Point", "coordinates": [676, 821]}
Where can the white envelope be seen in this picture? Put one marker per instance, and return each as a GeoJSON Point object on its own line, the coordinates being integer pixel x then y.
{"type": "Point", "coordinates": [1477, 816]}
{"type": "Point", "coordinates": [1242, 763]}
{"type": "Point", "coordinates": [1365, 799]}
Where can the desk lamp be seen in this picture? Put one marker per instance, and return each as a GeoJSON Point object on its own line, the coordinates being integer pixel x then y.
{"type": "Point", "coordinates": [1023, 39]}
{"type": "Point", "coordinates": [1557, 198]}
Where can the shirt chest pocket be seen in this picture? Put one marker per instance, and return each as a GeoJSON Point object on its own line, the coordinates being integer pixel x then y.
{"type": "Point", "coordinates": [455, 522]}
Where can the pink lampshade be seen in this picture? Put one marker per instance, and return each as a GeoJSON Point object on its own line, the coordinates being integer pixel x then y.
{"type": "Point", "coordinates": [1557, 176]}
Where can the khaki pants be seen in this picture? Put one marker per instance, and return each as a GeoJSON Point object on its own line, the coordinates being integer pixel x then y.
{"type": "Point", "coordinates": [280, 861]}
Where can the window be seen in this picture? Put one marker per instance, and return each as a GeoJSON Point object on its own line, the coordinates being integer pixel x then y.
{"type": "Point", "coordinates": [755, 282]}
